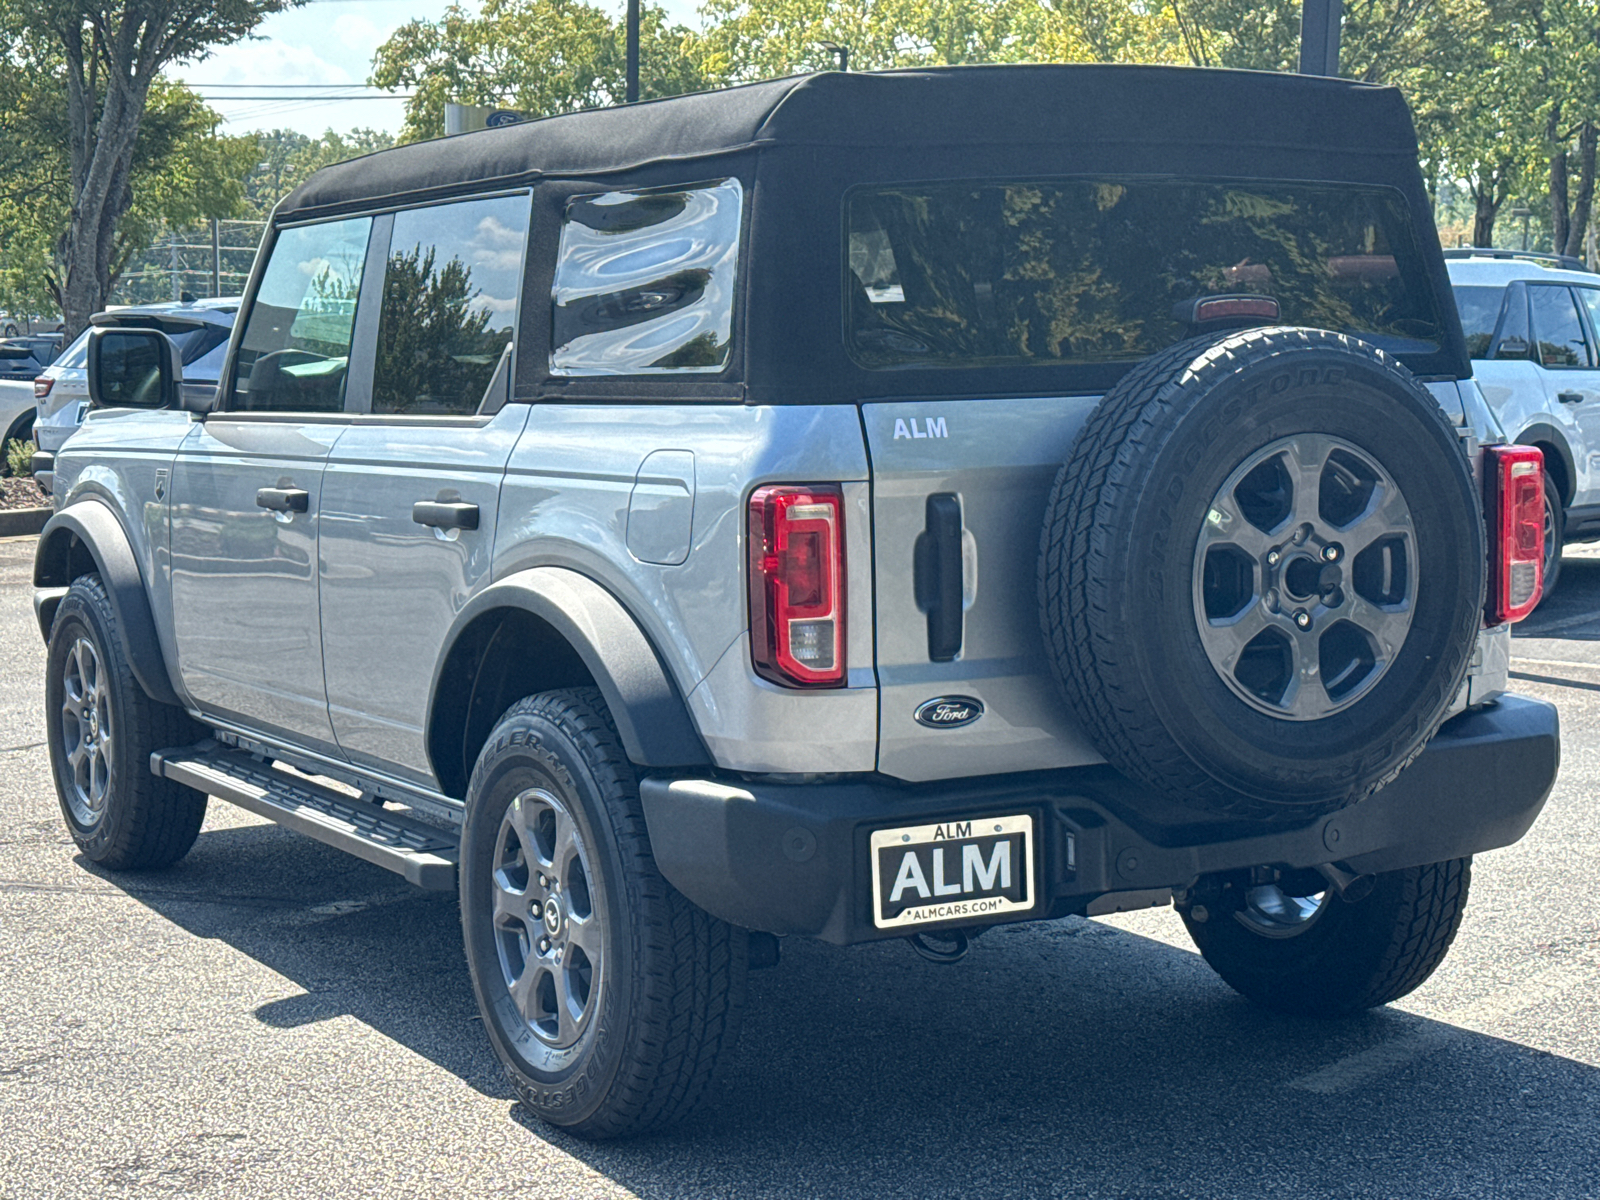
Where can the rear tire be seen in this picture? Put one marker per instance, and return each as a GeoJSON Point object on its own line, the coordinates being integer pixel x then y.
{"type": "Point", "coordinates": [1555, 531]}
{"type": "Point", "coordinates": [102, 730]}
{"type": "Point", "coordinates": [1346, 957]}
{"type": "Point", "coordinates": [609, 998]}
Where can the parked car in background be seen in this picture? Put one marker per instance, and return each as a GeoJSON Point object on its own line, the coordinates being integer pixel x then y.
{"type": "Point", "coordinates": [200, 328]}
{"type": "Point", "coordinates": [1533, 330]}
{"type": "Point", "coordinates": [24, 357]}
{"type": "Point", "coordinates": [12, 324]}
{"type": "Point", "coordinates": [16, 416]}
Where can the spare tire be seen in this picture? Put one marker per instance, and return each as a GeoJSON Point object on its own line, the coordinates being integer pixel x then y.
{"type": "Point", "coordinates": [1262, 572]}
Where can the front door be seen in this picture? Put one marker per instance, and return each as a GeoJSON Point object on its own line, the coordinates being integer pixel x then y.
{"type": "Point", "coordinates": [247, 496]}
{"type": "Point", "coordinates": [411, 493]}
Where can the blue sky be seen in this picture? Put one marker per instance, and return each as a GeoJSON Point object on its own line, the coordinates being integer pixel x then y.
{"type": "Point", "coordinates": [324, 42]}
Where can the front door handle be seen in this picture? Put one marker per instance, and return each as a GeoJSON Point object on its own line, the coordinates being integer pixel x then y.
{"type": "Point", "coordinates": [1570, 397]}
{"type": "Point", "coordinates": [285, 500]}
{"type": "Point", "coordinates": [445, 514]}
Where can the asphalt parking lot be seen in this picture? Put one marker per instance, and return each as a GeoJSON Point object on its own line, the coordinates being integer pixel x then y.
{"type": "Point", "coordinates": [272, 1018]}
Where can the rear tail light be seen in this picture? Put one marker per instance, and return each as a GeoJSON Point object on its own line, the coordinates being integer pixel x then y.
{"type": "Point", "coordinates": [797, 585]}
{"type": "Point", "coordinates": [1514, 505]}
{"type": "Point", "coordinates": [41, 387]}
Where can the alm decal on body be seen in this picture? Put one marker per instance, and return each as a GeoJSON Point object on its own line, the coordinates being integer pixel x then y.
{"type": "Point", "coordinates": [931, 427]}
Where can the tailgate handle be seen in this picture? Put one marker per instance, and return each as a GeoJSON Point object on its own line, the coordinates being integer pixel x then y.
{"type": "Point", "coordinates": [938, 576]}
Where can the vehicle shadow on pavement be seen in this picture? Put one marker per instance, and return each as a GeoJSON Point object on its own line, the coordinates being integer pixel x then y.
{"type": "Point", "coordinates": [1067, 1058]}
{"type": "Point", "coordinates": [1572, 613]}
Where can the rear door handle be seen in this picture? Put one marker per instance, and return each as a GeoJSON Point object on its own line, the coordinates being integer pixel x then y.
{"type": "Point", "coordinates": [1570, 397]}
{"type": "Point", "coordinates": [444, 514]}
{"type": "Point", "coordinates": [287, 500]}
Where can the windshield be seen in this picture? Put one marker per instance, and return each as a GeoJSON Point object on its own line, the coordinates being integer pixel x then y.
{"type": "Point", "coordinates": [1091, 270]}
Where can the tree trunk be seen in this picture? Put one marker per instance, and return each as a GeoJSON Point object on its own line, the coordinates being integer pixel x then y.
{"type": "Point", "coordinates": [1573, 243]}
{"type": "Point", "coordinates": [1559, 221]}
{"type": "Point", "coordinates": [1486, 207]}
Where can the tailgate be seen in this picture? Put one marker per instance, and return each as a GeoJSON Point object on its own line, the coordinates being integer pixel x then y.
{"type": "Point", "coordinates": [988, 466]}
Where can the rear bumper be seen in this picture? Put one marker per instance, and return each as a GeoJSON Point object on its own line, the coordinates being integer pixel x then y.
{"type": "Point", "coordinates": [794, 859]}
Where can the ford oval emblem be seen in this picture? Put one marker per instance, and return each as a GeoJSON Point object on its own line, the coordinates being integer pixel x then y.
{"type": "Point", "coordinates": [948, 712]}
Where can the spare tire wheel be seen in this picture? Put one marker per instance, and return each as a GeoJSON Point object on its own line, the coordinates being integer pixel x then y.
{"type": "Point", "coordinates": [1261, 575]}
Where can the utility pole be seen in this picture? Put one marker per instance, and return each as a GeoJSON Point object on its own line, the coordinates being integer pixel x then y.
{"type": "Point", "coordinates": [172, 246]}
{"type": "Point", "coordinates": [1319, 36]}
{"type": "Point", "coordinates": [216, 258]}
{"type": "Point", "coordinates": [633, 51]}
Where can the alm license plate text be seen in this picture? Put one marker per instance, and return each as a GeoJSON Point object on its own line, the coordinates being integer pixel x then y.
{"type": "Point", "coordinates": [952, 871]}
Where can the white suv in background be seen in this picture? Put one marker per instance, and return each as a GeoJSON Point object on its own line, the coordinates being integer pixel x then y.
{"type": "Point", "coordinates": [199, 328]}
{"type": "Point", "coordinates": [1531, 326]}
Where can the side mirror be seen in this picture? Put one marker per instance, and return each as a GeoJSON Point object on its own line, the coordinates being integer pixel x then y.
{"type": "Point", "coordinates": [1511, 347]}
{"type": "Point", "coordinates": [134, 368]}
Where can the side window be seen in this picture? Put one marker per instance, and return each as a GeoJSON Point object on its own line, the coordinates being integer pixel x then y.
{"type": "Point", "coordinates": [645, 281]}
{"type": "Point", "coordinates": [450, 292]}
{"type": "Point", "coordinates": [295, 350]}
{"type": "Point", "coordinates": [1480, 313]}
{"type": "Point", "coordinates": [1591, 300]}
{"type": "Point", "coordinates": [1557, 328]}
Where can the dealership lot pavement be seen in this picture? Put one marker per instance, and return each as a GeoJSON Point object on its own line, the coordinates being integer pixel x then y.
{"type": "Point", "coordinates": [271, 1018]}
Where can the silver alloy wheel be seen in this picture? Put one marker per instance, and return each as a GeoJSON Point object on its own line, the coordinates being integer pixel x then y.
{"type": "Point", "coordinates": [547, 923]}
{"type": "Point", "coordinates": [1305, 577]}
{"type": "Point", "coordinates": [1271, 912]}
{"type": "Point", "coordinates": [86, 733]}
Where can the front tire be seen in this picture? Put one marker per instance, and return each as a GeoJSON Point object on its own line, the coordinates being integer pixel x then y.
{"type": "Point", "coordinates": [1322, 956]}
{"type": "Point", "coordinates": [102, 730]}
{"type": "Point", "coordinates": [609, 998]}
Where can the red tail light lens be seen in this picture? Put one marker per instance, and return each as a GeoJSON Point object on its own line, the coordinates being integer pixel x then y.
{"type": "Point", "coordinates": [41, 387]}
{"type": "Point", "coordinates": [797, 585]}
{"type": "Point", "coordinates": [1514, 505]}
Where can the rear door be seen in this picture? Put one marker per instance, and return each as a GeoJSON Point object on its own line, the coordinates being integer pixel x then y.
{"type": "Point", "coordinates": [1565, 356]}
{"type": "Point", "coordinates": [965, 285]}
{"type": "Point", "coordinates": [411, 494]}
{"type": "Point", "coordinates": [958, 499]}
{"type": "Point", "coordinates": [247, 495]}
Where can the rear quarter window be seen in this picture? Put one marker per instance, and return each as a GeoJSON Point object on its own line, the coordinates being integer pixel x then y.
{"type": "Point", "coordinates": [645, 281]}
{"type": "Point", "coordinates": [1480, 312]}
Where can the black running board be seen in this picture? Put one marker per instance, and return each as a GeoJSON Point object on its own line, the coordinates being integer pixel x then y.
{"type": "Point", "coordinates": [423, 853]}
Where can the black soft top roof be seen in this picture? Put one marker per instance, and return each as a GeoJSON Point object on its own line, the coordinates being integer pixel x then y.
{"type": "Point", "coordinates": [942, 109]}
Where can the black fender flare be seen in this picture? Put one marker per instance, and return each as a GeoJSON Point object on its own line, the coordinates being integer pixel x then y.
{"type": "Point", "coordinates": [1549, 434]}
{"type": "Point", "coordinates": [652, 719]}
{"type": "Point", "coordinates": [96, 528]}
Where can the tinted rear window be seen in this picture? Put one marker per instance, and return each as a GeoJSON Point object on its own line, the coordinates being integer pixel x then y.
{"type": "Point", "coordinates": [1090, 270]}
{"type": "Point", "coordinates": [1480, 313]}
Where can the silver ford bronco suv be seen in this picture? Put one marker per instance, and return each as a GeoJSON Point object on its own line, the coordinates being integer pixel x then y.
{"type": "Point", "coordinates": [852, 506]}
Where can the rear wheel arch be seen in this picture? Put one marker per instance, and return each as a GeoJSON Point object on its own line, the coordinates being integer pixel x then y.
{"type": "Point", "coordinates": [87, 537]}
{"type": "Point", "coordinates": [543, 629]}
{"type": "Point", "coordinates": [1557, 458]}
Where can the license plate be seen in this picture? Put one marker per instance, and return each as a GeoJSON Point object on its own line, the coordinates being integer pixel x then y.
{"type": "Point", "coordinates": [952, 871]}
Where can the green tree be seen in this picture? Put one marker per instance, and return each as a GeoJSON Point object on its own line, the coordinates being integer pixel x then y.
{"type": "Point", "coordinates": [539, 56]}
{"type": "Point", "coordinates": [284, 160]}
{"type": "Point", "coordinates": [180, 172]}
{"type": "Point", "coordinates": [105, 57]}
